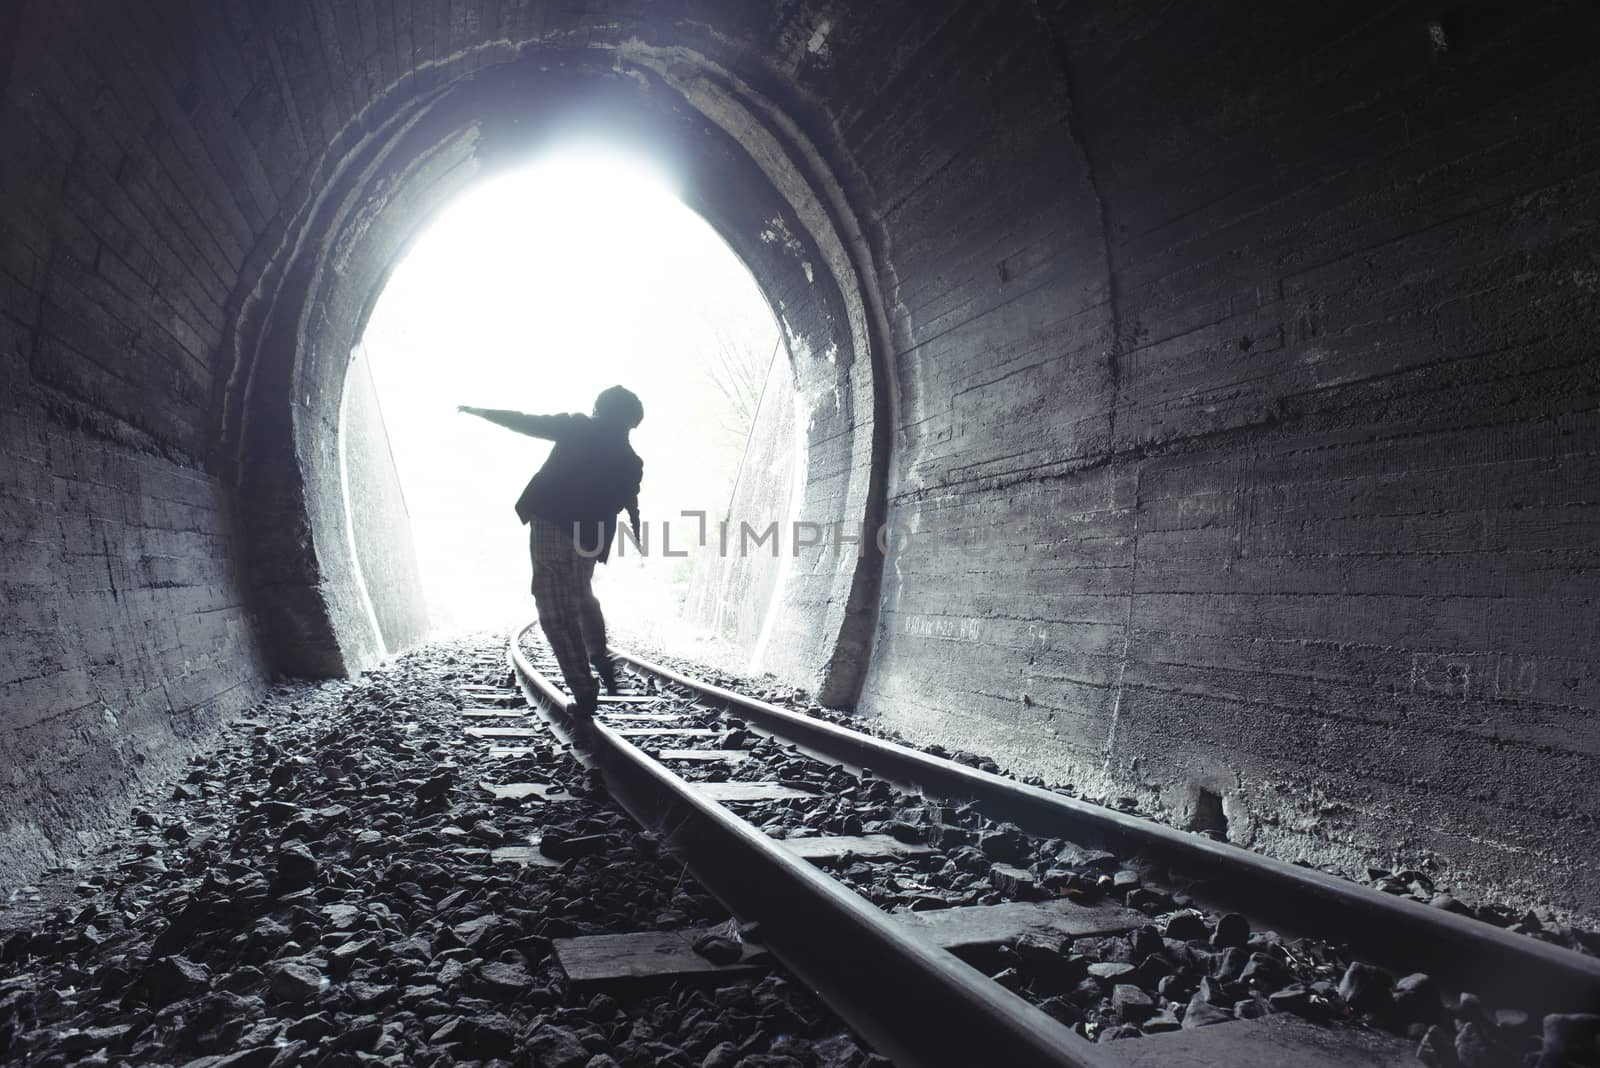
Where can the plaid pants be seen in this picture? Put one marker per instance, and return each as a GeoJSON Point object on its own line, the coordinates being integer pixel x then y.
{"type": "Point", "coordinates": [569, 613]}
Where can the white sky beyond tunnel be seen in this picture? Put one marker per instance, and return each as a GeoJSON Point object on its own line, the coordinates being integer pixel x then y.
{"type": "Point", "coordinates": [534, 291]}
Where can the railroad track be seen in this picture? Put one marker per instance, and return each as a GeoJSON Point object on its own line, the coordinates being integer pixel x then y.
{"type": "Point", "coordinates": [692, 762]}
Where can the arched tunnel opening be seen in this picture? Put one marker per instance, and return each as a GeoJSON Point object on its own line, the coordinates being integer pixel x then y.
{"type": "Point", "coordinates": [283, 416]}
{"type": "Point", "coordinates": [536, 290]}
{"type": "Point", "coordinates": [1173, 430]}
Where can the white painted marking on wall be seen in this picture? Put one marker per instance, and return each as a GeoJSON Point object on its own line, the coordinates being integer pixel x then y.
{"type": "Point", "coordinates": [819, 39]}
{"type": "Point", "coordinates": [1515, 676]}
{"type": "Point", "coordinates": [952, 628]}
{"type": "Point", "coordinates": [1450, 674]}
{"type": "Point", "coordinates": [1038, 638]}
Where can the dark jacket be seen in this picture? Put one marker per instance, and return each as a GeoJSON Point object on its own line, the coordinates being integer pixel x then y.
{"type": "Point", "coordinates": [590, 476]}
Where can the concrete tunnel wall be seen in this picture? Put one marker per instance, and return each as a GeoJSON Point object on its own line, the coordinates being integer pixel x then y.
{"type": "Point", "coordinates": [375, 509]}
{"type": "Point", "coordinates": [202, 208]}
{"type": "Point", "coordinates": [1248, 351]}
{"type": "Point", "coordinates": [1266, 389]}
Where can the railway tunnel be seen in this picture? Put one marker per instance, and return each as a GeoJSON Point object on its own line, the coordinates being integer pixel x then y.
{"type": "Point", "coordinates": [1196, 405]}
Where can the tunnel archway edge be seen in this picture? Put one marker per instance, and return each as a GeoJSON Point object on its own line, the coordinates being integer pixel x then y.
{"type": "Point", "coordinates": [753, 171]}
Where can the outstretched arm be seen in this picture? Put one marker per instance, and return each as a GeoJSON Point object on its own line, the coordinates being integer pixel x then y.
{"type": "Point", "coordinates": [536, 426]}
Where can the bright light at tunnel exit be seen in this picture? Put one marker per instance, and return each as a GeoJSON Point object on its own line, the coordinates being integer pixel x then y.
{"type": "Point", "coordinates": [534, 291]}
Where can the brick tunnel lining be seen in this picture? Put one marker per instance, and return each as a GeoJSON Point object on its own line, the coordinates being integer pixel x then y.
{"type": "Point", "coordinates": [1251, 348]}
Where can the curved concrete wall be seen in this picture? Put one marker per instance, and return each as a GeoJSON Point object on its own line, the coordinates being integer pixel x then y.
{"type": "Point", "coordinates": [375, 509]}
{"type": "Point", "coordinates": [1244, 358]}
{"type": "Point", "coordinates": [1229, 366]}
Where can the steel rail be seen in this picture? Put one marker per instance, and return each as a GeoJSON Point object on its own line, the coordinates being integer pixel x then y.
{"type": "Point", "coordinates": [1399, 932]}
{"type": "Point", "coordinates": [917, 1004]}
